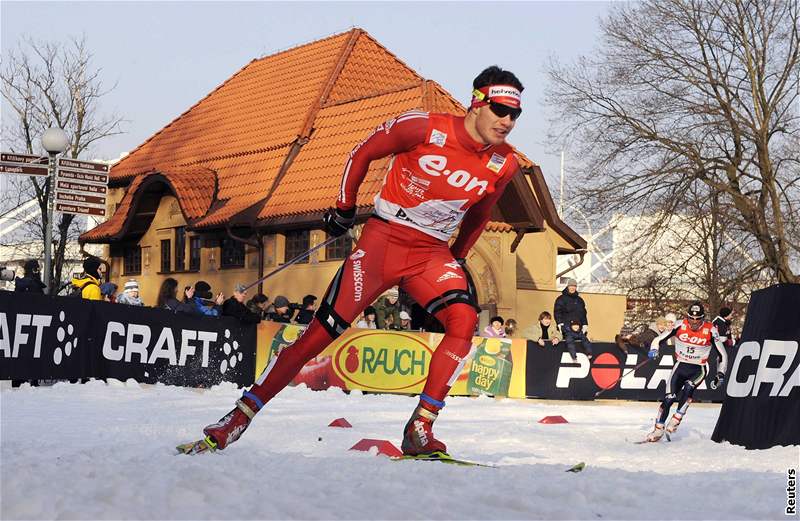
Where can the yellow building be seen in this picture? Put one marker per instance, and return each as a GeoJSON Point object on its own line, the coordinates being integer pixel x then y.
{"type": "Point", "coordinates": [238, 183]}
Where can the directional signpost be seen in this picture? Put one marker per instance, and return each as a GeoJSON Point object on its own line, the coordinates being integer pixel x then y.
{"type": "Point", "coordinates": [23, 164]}
{"type": "Point", "coordinates": [76, 187]}
{"type": "Point", "coordinates": [81, 187]}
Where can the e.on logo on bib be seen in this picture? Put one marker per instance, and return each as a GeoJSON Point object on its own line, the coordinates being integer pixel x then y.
{"type": "Point", "coordinates": [435, 166]}
{"type": "Point", "coordinates": [382, 361]}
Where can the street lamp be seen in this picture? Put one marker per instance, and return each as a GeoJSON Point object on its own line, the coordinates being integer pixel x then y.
{"type": "Point", "coordinates": [55, 141]}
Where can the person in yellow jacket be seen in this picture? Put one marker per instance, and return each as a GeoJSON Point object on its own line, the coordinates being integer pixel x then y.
{"type": "Point", "coordinates": [89, 282]}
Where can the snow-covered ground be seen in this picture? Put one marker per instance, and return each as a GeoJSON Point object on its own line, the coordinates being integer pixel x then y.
{"type": "Point", "coordinates": [100, 451]}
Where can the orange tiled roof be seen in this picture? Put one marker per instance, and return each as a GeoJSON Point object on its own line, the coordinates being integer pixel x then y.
{"type": "Point", "coordinates": [277, 133]}
{"type": "Point", "coordinates": [194, 189]}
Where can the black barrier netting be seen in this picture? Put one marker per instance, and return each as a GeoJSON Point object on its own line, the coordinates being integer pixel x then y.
{"type": "Point", "coordinates": [551, 373]}
{"type": "Point", "coordinates": [45, 337]}
{"type": "Point", "coordinates": [762, 402]}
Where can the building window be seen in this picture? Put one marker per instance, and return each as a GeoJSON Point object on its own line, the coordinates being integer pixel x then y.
{"type": "Point", "coordinates": [232, 253]}
{"type": "Point", "coordinates": [194, 253]}
{"type": "Point", "coordinates": [166, 256]}
{"type": "Point", "coordinates": [340, 248]}
{"type": "Point", "coordinates": [132, 260]}
{"type": "Point", "coordinates": [296, 243]}
{"type": "Point", "coordinates": [180, 248]}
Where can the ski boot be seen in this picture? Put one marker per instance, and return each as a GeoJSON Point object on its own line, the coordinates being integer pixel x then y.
{"type": "Point", "coordinates": [672, 426]}
{"type": "Point", "coordinates": [656, 433]}
{"type": "Point", "coordinates": [418, 434]}
{"type": "Point", "coordinates": [231, 426]}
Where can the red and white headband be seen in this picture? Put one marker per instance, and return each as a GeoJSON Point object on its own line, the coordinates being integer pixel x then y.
{"type": "Point", "coordinates": [505, 94]}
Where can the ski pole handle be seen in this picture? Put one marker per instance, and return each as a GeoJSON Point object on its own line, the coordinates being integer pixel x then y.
{"type": "Point", "coordinates": [298, 258]}
{"type": "Point", "coordinates": [604, 389]}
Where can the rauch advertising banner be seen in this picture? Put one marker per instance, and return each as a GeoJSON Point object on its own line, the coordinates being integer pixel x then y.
{"type": "Point", "coordinates": [397, 362]}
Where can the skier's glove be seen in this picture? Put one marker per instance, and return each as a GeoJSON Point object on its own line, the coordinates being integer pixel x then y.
{"type": "Point", "coordinates": [717, 381]}
{"type": "Point", "coordinates": [337, 222]}
{"type": "Point", "coordinates": [652, 353]}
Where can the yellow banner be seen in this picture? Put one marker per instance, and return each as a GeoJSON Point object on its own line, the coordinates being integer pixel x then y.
{"type": "Point", "coordinates": [397, 361]}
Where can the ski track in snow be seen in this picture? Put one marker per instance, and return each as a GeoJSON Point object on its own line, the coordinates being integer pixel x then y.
{"type": "Point", "coordinates": [98, 451]}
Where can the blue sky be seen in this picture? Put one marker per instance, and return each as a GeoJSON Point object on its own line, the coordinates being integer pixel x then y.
{"type": "Point", "coordinates": [165, 56]}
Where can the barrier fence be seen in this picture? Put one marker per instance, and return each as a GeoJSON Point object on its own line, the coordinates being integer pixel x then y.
{"type": "Point", "coordinates": [62, 337]}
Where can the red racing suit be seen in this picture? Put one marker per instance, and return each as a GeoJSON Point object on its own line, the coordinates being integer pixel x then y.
{"type": "Point", "coordinates": [438, 178]}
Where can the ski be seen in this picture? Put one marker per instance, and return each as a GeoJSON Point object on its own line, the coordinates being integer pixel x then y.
{"type": "Point", "coordinates": [442, 457]}
{"type": "Point", "coordinates": [577, 467]}
{"type": "Point", "coordinates": [196, 447]}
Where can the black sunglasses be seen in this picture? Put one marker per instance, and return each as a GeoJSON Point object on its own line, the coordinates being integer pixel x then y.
{"type": "Point", "coordinates": [501, 111]}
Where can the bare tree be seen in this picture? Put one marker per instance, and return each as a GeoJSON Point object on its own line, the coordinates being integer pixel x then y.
{"type": "Point", "coordinates": [685, 95]}
{"type": "Point", "coordinates": [695, 255]}
{"type": "Point", "coordinates": [50, 84]}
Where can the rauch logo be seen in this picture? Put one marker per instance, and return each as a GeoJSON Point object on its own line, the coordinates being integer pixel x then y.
{"type": "Point", "coordinates": [383, 361]}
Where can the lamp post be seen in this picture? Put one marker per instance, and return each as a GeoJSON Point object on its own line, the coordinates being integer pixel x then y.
{"type": "Point", "coordinates": [55, 141]}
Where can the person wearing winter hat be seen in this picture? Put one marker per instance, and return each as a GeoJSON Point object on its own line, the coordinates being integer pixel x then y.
{"type": "Point", "coordinates": [31, 281]}
{"type": "Point", "coordinates": [235, 306]}
{"type": "Point", "coordinates": [130, 294]}
{"type": "Point", "coordinates": [204, 303]}
{"type": "Point", "coordinates": [89, 282]}
{"type": "Point", "coordinates": [281, 311]}
{"type": "Point", "coordinates": [388, 305]}
{"type": "Point", "coordinates": [368, 322]}
{"type": "Point", "coordinates": [405, 321]}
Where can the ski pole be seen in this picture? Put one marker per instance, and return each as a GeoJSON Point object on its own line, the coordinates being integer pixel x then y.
{"type": "Point", "coordinates": [601, 391]}
{"type": "Point", "coordinates": [296, 259]}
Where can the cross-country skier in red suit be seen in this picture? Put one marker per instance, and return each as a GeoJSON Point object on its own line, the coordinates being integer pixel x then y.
{"type": "Point", "coordinates": [446, 171]}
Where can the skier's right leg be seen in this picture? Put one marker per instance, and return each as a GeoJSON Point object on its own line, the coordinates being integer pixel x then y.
{"type": "Point", "coordinates": [349, 293]}
{"type": "Point", "coordinates": [666, 404]}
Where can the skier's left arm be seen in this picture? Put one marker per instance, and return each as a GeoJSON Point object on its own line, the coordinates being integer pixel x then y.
{"type": "Point", "coordinates": [478, 215]}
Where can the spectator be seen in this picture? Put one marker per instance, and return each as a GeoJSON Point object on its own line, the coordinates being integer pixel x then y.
{"type": "Point", "coordinates": [280, 310]}
{"type": "Point", "coordinates": [723, 323]}
{"type": "Point", "coordinates": [235, 306]}
{"type": "Point", "coordinates": [388, 305]}
{"type": "Point", "coordinates": [168, 298]}
{"type": "Point", "coordinates": [570, 306]}
{"type": "Point", "coordinates": [108, 290]}
{"type": "Point", "coordinates": [405, 321]}
{"type": "Point", "coordinates": [130, 294]}
{"type": "Point", "coordinates": [495, 328]}
{"type": "Point", "coordinates": [671, 318]}
{"type": "Point", "coordinates": [31, 281]}
{"type": "Point", "coordinates": [89, 283]}
{"type": "Point", "coordinates": [203, 300]}
{"type": "Point", "coordinates": [306, 312]}
{"type": "Point", "coordinates": [511, 327]}
{"type": "Point", "coordinates": [575, 335]}
{"type": "Point", "coordinates": [368, 322]}
{"type": "Point", "coordinates": [544, 332]}
{"type": "Point", "coordinates": [641, 342]}
{"type": "Point", "coordinates": [259, 305]}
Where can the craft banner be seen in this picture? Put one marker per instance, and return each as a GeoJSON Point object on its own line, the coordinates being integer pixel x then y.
{"type": "Point", "coordinates": [397, 362]}
{"type": "Point", "coordinates": [45, 337]}
{"type": "Point", "coordinates": [762, 392]}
